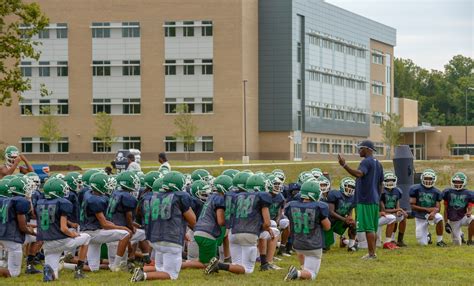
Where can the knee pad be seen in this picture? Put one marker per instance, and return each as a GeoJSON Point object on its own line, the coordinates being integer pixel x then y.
{"type": "Point", "coordinates": [284, 223]}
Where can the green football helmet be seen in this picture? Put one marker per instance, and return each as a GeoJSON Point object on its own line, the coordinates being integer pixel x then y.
{"type": "Point", "coordinates": [222, 184]}
{"type": "Point", "coordinates": [230, 172]}
{"type": "Point", "coordinates": [151, 177]}
{"type": "Point", "coordinates": [141, 176]}
{"type": "Point", "coordinates": [74, 181]}
{"type": "Point", "coordinates": [201, 190]}
{"type": "Point", "coordinates": [279, 174]}
{"type": "Point", "coordinates": [257, 183]}
{"type": "Point", "coordinates": [459, 181]}
{"type": "Point", "coordinates": [11, 153]}
{"type": "Point", "coordinates": [87, 176]}
{"type": "Point", "coordinates": [390, 180]}
{"type": "Point", "coordinates": [304, 176]}
{"type": "Point", "coordinates": [173, 181]}
{"type": "Point", "coordinates": [111, 183]}
{"type": "Point", "coordinates": [32, 176]}
{"type": "Point", "coordinates": [55, 188]}
{"type": "Point", "coordinates": [164, 170]}
{"type": "Point", "coordinates": [5, 189]}
{"type": "Point", "coordinates": [9, 177]}
{"type": "Point", "coordinates": [240, 180]}
{"type": "Point", "coordinates": [99, 183]}
{"type": "Point", "coordinates": [324, 184]}
{"type": "Point", "coordinates": [57, 176]}
{"type": "Point", "coordinates": [158, 185]}
{"type": "Point", "coordinates": [310, 190]}
{"type": "Point", "coordinates": [129, 181]}
{"type": "Point", "coordinates": [347, 186]}
{"type": "Point", "coordinates": [428, 178]}
{"type": "Point", "coordinates": [20, 187]}
{"type": "Point", "coordinates": [276, 184]}
{"type": "Point", "coordinates": [201, 174]}
{"type": "Point", "coordinates": [316, 172]}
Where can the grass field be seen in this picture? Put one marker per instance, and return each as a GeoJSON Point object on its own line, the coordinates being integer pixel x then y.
{"type": "Point", "coordinates": [415, 265]}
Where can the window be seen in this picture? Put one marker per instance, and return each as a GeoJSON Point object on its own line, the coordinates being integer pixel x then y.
{"type": "Point", "coordinates": [189, 147]}
{"type": "Point", "coordinates": [350, 116]}
{"type": "Point", "coordinates": [101, 105]}
{"type": "Point", "coordinates": [206, 30]}
{"type": "Point", "coordinates": [188, 29]}
{"type": "Point", "coordinates": [361, 85]}
{"type": "Point", "coordinates": [348, 147]}
{"type": "Point", "coordinates": [207, 105]}
{"type": "Point", "coordinates": [63, 106]}
{"type": "Point", "coordinates": [99, 146]}
{"type": "Point", "coordinates": [314, 111]}
{"type": "Point", "coordinates": [299, 89]}
{"type": "Point", "coordinates": [339, 115]}
{"type": "Point", "coordinates": [170, 68]}
{"type": "Point", "coordinates": [300, 119]}
{"type": "Point", "coordinates": [44, 147]}
{"type": "Point", "coordinates": [315, 76]}
{"type": "Point", "coordinates": [207, 144]}
{"type": "Point", "coordinates": [360, 53]}
{"type": "Point", "coordinates": [26, 144]}
{"type": "Point", "coordinates": [376, 119]}
{"type": "Point", "coordinates": [188, 67]}
{"type": "Point", "coordinates": [101, 68]}
{"type": "Point", "coordinates": [350, 83]}
{"type": "Point", "coordinates": [379, 149]}
{"type": "Point", "coordinates": [361, 118]}
{"type": "Point", "coordinates": [131, 68]}
{"type": "Point", "coordinates": [191, 107]}
{"type": "Point", "coordinates": [327, 78]}
{"type": "Point", "coordinates": [336, 146]}
{"type": "Point", "coordinates": [339, 47]}
{"type": "Point", "coordinates": [312, 146]}
{"type": "Point", "coordinates": [338, 81]}
{"type": "Point", "coordinates": [130, 32]}
{"type": "Point", "coordinates": [170, 105]}
{"type": "Point", "coordinates": [324, 146]}
{"type": "Point", "coordinates": [132, 143]}
{"type": "Point", "coordinates": [350, 51]}
{"type": "Point", "coordinates": [327, 44]}
{"type": "Point", "coordinates": [44, 69]}
{"type": "Point", "coordinates": [299, 52]}
{"type": "Point", "coordinates": [388, 73]}
{"type": "Point", "coordinates": [315, 40]}
{"type": "Point", "coordinates": [170, 31]}
{"type": "Point", "coordinates": [26, 69]}
{"type": "Point", "coordinates": [44, 106]}
{"type": "Point", "coordinates": [63, 145]}
{"type": "Point", "coordinates": [131, 106]}
{"type": "Point", "coordinates": [327, 113]}
{"type": "Point", "coordinates": [43, 34]}
{"type": "Point", "coordinates": [100, 30]}
{"type": "Point", "coordinates": [62, 69]}
{"type": "Point", "coordinates": [170, 144]}
{"type": "Point", "coordinates": [26, 107]}
{"type": "Point", "coordinates": [377, 59]}
{"type": "Point", "coordinates": [207, 67]}
{"type": "Point", "coordinates": [25, 31]}
{"type": "Point", "coordinates": [61, 31]}
{"type": "Point", "coordinates": [377, 87]}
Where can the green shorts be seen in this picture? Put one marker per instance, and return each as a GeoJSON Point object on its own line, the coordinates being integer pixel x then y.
{"type": "Point", "coordinates": [367, 217]}
{"type": "Point", "coordinates": [207, 248]}
{"type": "Point", "coordinates": [338, 227]}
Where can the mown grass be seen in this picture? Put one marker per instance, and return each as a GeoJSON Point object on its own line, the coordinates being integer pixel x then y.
{"type": "Point", "coordinates": [414, 265]}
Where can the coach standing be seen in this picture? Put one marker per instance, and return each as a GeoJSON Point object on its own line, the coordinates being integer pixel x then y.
{"type": "Point", "coordinates": [369, 185]}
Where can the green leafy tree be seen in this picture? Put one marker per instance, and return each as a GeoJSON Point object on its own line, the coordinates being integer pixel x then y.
{"type": "Point", "coordinates": [186, 129]}
{"type": "Point", "coordinates": [391, 131]}
{"type": "Point", "coordinates": [49, 128]}
{"type": "Point", "coordinates": [449, 143]}
{"type": "Point", "coordinates": [434, 117]}
{"type": "Point", "coordinates": [16, 43]}
{"type": "Point", "coordinates": [105, 132]}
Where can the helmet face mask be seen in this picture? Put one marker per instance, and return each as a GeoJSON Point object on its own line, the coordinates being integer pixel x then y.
{"type": "Point", "coordinates": [390, 181]}
{"type": "Point", "coordinates": [459, 181]}
{"type": "Point", "coordinates": [324, 185]}
{"type": "Point", "coordinates": [428, 178]}
{"type": "Point", "coordinates": [347, 187]}
{"type": "Point", "coordinates": [11, 153]}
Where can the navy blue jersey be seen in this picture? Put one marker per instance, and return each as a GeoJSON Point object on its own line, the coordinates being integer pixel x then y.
{"type": "Point", "coordinates": [425, 197]}
{"type": "Point", "coordinates": [292, 192]}
{"type": "Point", "coordinates": [390, 198]}
{"type": "Point", "coordinates": [248, 212]}
{"type": "Point", "coordinates": [92, 205]}
{"type": "Point", "coordinates": [229, 207]}
{"type": "Point", "coordinates": [81, 194]}
{"type": "Point", "coordinates": [9, 209]}
{"type": "Point", "coordinates": [143, 198]}
{"type": "Point", "coordinates": [278, 201]}
{"type": "Point", "coordinates": [120, 203]}
{"type": "Point", "coordinates": [35, 197]}
{"type": "Point", "coordinates": [166, 223]}
{"type": "Point", "coordinates": [343, 205]}
{"type": "Point", "coordinates": [49, 213]}
{"type": "Point", "coordinates": [74, 199]}
{"type": "Point", "coordinates": [367, 186]}
{"type": "Point", "coordinates": [196, 205]}
{"type": "Point", "coordinates": [305, 221]}
{"type": "Point", "coordinates": [207, 220]}
{"type": "Point", "coordinates": [457, 203]}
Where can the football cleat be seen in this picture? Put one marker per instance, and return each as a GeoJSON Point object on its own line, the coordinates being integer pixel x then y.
{"type": "Point", "coordinates": [401, 244]}
{"type": "Point", "coordinates": [212, 267]}
{"type": "Point", "coordinates": [430, 241]}
{"type": "Point", "coordinates": [352, 249]}
{"type": "Point", "coordinates": [275, 267]}
{"type": "Point", "coordinates": [441, 244]}
{"type": "Point", "coordinates": [369, 257]}
{"type": "Point", "coordinates": [292, 274]}
{"type": "Point", "coordinates": [48, 273]}
{"type": "Point", "coordinates": [138, 275]}
{"type": "Point", "coordinates": [79, 273]}
{"type": "Point", "coordinates": [30, 269]}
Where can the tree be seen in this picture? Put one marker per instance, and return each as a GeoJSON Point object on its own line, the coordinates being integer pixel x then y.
{"type": "Point", "coordinates": [449, 144]}
{"type": "Point", "coordinates": [49, 128]}
{"type": "Point", "coordinates": [391, 131]}
{"type": "Point", "coordinates": [104, 133]}
{"type": "Point", "coordinates": [16, 43]}
{"type": "Point", "coordinates": [434, 117]}
{"type": "Point", "coordinates": [186, 129]}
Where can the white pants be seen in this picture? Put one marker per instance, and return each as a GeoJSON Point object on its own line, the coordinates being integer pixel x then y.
{"type": "Point", "coordinates": [168, 259]}
{"type": "Point", "coordinates": [384, 220]}
{"type": "Point", "coordinates": [422, 228]}
{"type": "Point", "coordinates": [30, 238]}
{"type": "Point", "coordinates": [139, 235]}
{"type": "Point", "coordinates": [283, 223]}
{"type": "Point", "coordinates": [54, 248]}
{"type": "Point", "coordinates": [193, 247]}
{"type": "Point", "coordinates": [266, 235]}
{"type": "Point", "coordinates": [456, 228]}
{"type": "Point", "coordinates": [98, 237]}
{"type": "Point", "coordinates": [312, 264]}
{"type": "Point", "coordinates": [15, 256]}
{"type": "Point", "coordinates": [244, 255]}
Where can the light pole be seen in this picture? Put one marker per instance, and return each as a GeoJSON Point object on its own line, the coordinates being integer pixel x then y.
{"type": "Point", "coordinates": [245, 158]}
{"type": "Point", "coordinates": [466, 155]}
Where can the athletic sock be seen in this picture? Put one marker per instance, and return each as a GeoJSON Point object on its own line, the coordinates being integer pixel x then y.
{"type": "Point", "coordinates": [80, 264]}
{"type": "Point", "coordinates": [223, 266]}
{"type": "Point", "coordinates": [144, 276]}
{"type": "Point", "coordinates": [298, 273]}
{"type": "Point", "coordinates": [117, 260]}
{"type": "Point", "coordinates": [439, 238]}
{"type": "Point", "coordinates": [393, 236]}
{"type": "Point", "coordinates": [30, 259]}
{"type": "Point", "coordinates": [400, 237]}
{"type": "Point", "coordinates": [388, 239]}
{"type": "Point", "coordinates": [351, 242]}
{"type": "Point", "coordinates": [263, 259]}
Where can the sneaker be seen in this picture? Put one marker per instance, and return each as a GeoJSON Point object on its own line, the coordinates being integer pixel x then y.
{"type": "Point", "coordinates": [138, 275]}
{"type": "Point", "coordinates": [463, 241]}
{"type": "Point", "coordinates": [369, 257]}
{"type": "Point", "coordinates": [286, 254]}
{"type": "Point", "coordinates": [131, 266]}
{"type": "Point", "coordinates": [212, 267]}
{"type": "Point", "coordinates": [292, 274]}
{"type": "Point", "coordinates": [470, 243]}
{"type": "Point", "coordinates": [30, 269]}
{"type": "Point", "coordinates": [429, 239]}
{"type": "Point", "coordinates": [401, 244]}
{"type": "Point", "coordinates": [265, 267]}
{"type": "Point", "coordinates": [274, 266]}
{"type": "Point", "coordinates": [48, 273]}
{"type": "Point", "coordinates": [352, 248]}
{"type": "Point", "coordinates": [441, 244]}
{"type": "Point", "coordinates": [277, 258]}
{"type": "Point", "coordinates": [79, 273]}
{"type": "Point", "coordinates": [390, 245]}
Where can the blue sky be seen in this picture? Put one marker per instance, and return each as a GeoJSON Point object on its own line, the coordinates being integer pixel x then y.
{"type": "Point", "coordinates": [430, 32]}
